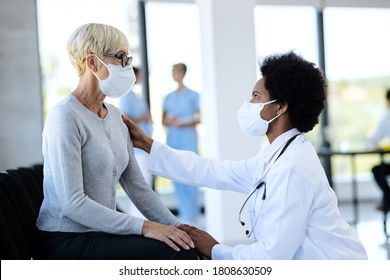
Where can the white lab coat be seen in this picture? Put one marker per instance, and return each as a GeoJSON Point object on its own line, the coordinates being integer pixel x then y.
{"type": "Point", "coordinates": [299, 218]}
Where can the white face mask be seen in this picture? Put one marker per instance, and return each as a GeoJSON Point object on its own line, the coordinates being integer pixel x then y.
{"type": "Point", "coordinates": [250, 120]}
{"type": "Point", "coordinates": [120, 80]}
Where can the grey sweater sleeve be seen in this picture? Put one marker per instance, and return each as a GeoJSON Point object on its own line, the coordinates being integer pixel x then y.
{"type": "Point", "coordinates": [144, 198]}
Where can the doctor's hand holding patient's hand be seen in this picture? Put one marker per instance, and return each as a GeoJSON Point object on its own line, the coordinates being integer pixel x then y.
{"type": "Point", "coordinates": [139, 138]}
{"type": "Point", "coordinates": [203, 241]}
{"type": "Point", "coordinates": [172, 236]}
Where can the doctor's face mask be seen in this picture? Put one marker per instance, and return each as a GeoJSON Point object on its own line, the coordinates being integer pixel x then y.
{"type": "Point", "coordinates": [250, 119]}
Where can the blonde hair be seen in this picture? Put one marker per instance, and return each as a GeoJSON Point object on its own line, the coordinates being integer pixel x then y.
{"type": "Point", "coordinates": [94, 38]}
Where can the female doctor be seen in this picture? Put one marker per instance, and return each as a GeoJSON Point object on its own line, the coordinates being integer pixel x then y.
{"type": "Point", "coordinates": [293, 210]}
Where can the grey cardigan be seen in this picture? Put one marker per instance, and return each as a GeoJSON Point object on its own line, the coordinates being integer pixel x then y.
{"type": "Point", "coordinates": [84, 158]}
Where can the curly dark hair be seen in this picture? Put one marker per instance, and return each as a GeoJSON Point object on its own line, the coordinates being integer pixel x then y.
{"type": "Point", "coordinates": [291, 79]}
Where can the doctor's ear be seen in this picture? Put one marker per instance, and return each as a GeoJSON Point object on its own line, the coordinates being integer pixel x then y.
{"type": "Point", "coordinates": [282, 108]}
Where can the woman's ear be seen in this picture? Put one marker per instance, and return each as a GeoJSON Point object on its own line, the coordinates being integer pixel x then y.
{"type": "Point", "coordinates": [91, 62]}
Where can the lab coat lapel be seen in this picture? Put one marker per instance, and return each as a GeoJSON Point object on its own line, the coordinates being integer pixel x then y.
{"type": "Point", "coordinates": [270, 154]}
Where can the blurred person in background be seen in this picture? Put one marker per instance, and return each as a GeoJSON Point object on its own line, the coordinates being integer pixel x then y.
{"type": "Point", "coordinates": [382, 171]}
{"type": "Point", "coordinates": [180, 117]}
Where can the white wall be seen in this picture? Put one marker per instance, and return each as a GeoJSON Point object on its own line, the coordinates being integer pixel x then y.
{"type": "Point", "coordinates": [229, 74]}
{"type": "Point", "coordinates": [20, 94]}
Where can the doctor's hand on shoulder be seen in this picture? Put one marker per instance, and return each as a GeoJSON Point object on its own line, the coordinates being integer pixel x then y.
{"type": "Point", "coordinates": [139, 138]}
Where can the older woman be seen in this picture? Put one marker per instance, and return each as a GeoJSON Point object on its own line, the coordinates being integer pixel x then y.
{"type": "Point", "coordinates": [293, 210]}
{"type": "Point", "coordinates": [87, 150]}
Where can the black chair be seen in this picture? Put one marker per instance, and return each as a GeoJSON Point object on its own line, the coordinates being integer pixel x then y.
{"type": "Point", "coordinates": [15, 239]}
{"type": "Point", "coordinates": [38, 173]}
{"type": "Point", "coordinates": [32, 185]}
{"type": "Point", "coordinates": [20, 200]}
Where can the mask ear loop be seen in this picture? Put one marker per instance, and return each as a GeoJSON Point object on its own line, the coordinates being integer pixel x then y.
{"type": "Point", "coordinates": [269, 102]}
{"type": "Point", "coordinates": [277, 113]}
{"type": "Point", "coordinates": [274, 118]}
{"type": "Point", "coordinates": [96, 76]}
{"type": "Point", "coordinates": [102, 63]}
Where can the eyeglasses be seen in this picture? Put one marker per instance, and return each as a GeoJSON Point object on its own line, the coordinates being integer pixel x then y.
{"type": "Point", "coordinates": [125, 59]}
{"type": "Point", "coordinates": [247, 232]}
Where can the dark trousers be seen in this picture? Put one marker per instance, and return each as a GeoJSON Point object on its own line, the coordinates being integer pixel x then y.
{"type": "Point", "coordinates": [105, 246]}
{"type": "Point", "coordinates": [380, 174]}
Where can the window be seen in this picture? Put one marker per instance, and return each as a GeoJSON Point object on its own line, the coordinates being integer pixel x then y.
{"type": "Point", "coordinates": [173, 36]}
{"type": "Point", "coordinates": [357, 51]}
{"type": "Point", "coordinates": [280, 29]}
{"type": "Point", "coordinates": [56, 22]}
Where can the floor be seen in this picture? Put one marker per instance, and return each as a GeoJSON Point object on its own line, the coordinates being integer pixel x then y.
{"type": "Point", "coordinates": [369, 229]}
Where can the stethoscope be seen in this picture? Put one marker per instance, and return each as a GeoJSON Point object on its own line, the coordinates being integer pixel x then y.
{"type": "Point", "coordinates": [247, 232]}
{"type": "Point", "coordinates": [263, 184]}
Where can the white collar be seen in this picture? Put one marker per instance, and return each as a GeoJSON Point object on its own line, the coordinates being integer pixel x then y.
{"type": "Point", "coordinates": [272, 151]}
{"type": "Point", "coordinates": [275, 146]}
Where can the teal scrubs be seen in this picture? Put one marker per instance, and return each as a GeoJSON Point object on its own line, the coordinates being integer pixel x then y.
{"type": "Point", "coordinates": [134, 106]}
{"type": "Point", "coordinates": [184, 105]}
